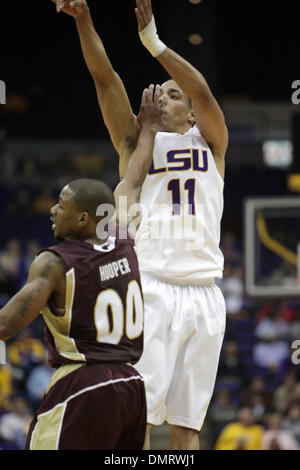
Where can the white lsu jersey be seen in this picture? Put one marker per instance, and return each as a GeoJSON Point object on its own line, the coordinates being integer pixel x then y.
{"type": "Point", "coordinates": [182, 203]}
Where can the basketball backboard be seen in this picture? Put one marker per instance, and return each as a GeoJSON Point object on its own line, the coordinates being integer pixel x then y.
{"type": "Point", "coordinates": [272, 247]}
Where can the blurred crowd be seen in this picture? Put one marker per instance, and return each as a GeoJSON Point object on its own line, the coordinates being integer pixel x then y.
{"type": "Point", "coordinates": [26, 374]}
{"type": "Point", "coordinates": [256, 402]}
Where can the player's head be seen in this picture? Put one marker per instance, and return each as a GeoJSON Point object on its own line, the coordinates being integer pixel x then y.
{"type": "Point", "coordinates": [177, 112]}
{"type": "Point", "coordinates": [74, 215]}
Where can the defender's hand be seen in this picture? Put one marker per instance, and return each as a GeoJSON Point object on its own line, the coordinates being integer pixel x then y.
{"type": "Point", "coordinates": [75, 8]}
{"type": "Point", "coordinates": [150, 112]}
{"type": "Point", "coordinates": [143, 13]}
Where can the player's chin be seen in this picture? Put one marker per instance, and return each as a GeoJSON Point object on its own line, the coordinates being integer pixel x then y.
{"type": "Point", "coordinates": [166, 129]}
{"type": "Point", "coordinates": [57, 235]}
{"type": "Point", "coordinates": [164, 126]}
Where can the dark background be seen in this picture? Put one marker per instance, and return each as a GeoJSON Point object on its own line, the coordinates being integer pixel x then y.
{"type": "Point", "coordinates": [250, 50]}
{"type": "Point", "coordinates": [250, 55]}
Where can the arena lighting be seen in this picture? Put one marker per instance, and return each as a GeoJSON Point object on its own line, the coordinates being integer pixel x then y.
{"type": "Point", "coordinates": [278, 153]}
{"type": "Point", "coordinates": [195, 39]}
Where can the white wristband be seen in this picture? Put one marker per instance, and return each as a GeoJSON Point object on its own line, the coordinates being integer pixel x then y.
{"type": "Point", "coordinates": [150, 39]}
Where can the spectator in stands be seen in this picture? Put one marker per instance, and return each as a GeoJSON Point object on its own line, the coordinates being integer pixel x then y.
{"type": "Point", "coordinates": [259, 406]}
{"type": "Point", "coordinates": [271, 353]}
{"type": "Point", "coordinates": [284, 393]}
{"type": "Point", "coordinates": [6, 386]}
{"type": "Point", "coordinates": [89, 164]}
{"type": "Point", "coordinates": [243, 434]}
{"type": "Point", "coordinates": [232, 288]}
{"type": "Point", "coordinates": [275, 437]}
{"type": "Point", "coordinates": [257, 394]}
{"type": "Point", "coordinates": [7, 287]}
{"type": "Point", "coordinates": [231, 369]}
{"type": "Point", "coordinates": [284, 311]}
{"type": "Point", "coordinates": [222, 411]}
{"type": "Point", "coordinates": [7, 162]}
{"type": "Point", "coordinates": [240, 327]}
{"type": "Point", "coordinates": [10, 261]}
{"type": "Point", "coordinates": [14, 425]}
{"type": "Point", "coordinates": [45, 200]}
{"type": "Point", "coordinates": [24, 352]}
{"type": "Point", "coordinates": [21, 204]}
{"type": "Point", "coordinates": [31, 250]}
{"type": "Point", "coordinates": [37, 382]}
{"type": "Point", "coordinates": [291, 422]}
{"type": "Point", "coordinates": [29, 166]}
{"type": "Point", "coordinates": [67, 172]}
{"type": "Point", "coordinates": [295, 327]}
{"type": "Point", "coordinates": [273, 322]}
{"type": "Point", "coordinates": [231, 249]}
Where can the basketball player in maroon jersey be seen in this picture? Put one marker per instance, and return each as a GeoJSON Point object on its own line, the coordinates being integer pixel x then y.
{"type": "Point", "coordinates": [89, 292]}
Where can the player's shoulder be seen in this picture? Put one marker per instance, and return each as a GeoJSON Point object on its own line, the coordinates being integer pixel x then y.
{"type": "Point", "coordinates": [47, 256]}
{"type": "Point", "coordinates": [196, 133]}
{"type": "Point", "coordinates": [47, 262]}
{"type": "Point", "coordinates": [58, 252]}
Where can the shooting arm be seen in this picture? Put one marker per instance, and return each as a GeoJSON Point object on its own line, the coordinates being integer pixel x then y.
{"type": "Point", "coordinates": [115, 107]}
{"type": "Point", "coordinates": [112, 97]}
{"type": "Point", "coordinates": [209, 117]}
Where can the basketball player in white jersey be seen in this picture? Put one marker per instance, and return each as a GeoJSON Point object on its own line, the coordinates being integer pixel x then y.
{"type": "Point", "coordinates": [184, 309]}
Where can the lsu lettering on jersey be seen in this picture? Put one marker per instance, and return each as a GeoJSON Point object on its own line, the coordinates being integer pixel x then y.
{"type": "Point", "coordinates": [182, 202]}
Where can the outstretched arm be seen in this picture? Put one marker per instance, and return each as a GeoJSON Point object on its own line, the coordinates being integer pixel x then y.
{"type": "Point", "coordinates": [113, 100]}
{"type": "Point", "coordinates": [129, 189]}
{"type": "Point", "coordinates": [44, 274]}
{"type": "Point", "coordinates": [209, 117]}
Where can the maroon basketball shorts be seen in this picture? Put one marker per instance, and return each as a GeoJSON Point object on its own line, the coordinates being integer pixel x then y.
{"type": "Point", "coordinates": [95, 407]}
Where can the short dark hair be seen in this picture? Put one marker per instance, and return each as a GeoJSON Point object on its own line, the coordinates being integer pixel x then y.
{"type": "Point", "coordinates": [89, 194]}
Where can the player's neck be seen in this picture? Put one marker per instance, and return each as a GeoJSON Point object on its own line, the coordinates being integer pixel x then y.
{"type": "Point", "coordinates": [92, 239]}
{"type": "Point", "coordinates": [96, 241]}
{"type": "Point", "coordinates": [179, 130]}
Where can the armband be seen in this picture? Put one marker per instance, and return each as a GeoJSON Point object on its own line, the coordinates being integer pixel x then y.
{"type": "Point", "coordinates": [150, 39]}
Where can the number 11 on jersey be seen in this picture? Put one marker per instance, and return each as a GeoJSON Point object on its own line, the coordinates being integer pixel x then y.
{"type": "Point", "coordinates": [175, 188]}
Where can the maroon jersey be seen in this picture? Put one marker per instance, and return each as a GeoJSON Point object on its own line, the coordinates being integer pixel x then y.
{"type": "Point", "coordinates": [104, 317]}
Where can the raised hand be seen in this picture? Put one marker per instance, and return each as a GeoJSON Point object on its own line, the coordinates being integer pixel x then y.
{"type": "Point", "coordinates": [74, 8]}
{"type": "Point", "coordinates": [143, 13]}
{"type": "Point", "coordinates": [150, 112]}
{"type": "Point", "coordinates": [147, 28]}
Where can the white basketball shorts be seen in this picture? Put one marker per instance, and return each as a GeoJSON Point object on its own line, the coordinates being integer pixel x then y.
{"type": "Point", "coordinates": [183, 335]}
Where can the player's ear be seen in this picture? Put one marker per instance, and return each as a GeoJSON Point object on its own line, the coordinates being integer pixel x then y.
{"type": "Point", "coordinates": [191, 118]}
{"type": "Point", "coordinates": [84, 218]}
